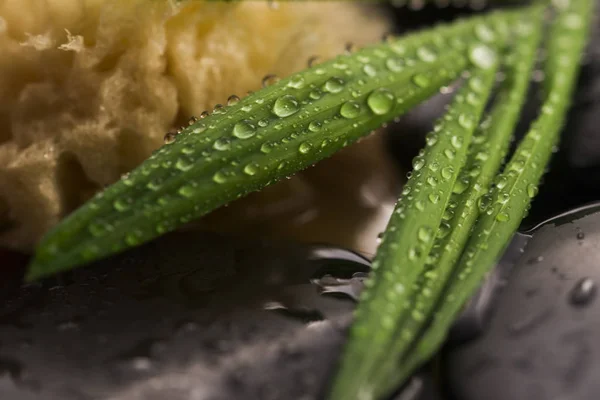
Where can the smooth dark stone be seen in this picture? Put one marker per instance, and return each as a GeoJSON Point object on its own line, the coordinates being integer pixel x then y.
{"type": "Point", "coordinates": [190, 315]}
{"type": "Point", "coordinates": [541, 341]}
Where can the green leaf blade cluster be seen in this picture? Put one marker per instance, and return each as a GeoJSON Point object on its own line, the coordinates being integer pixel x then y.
{"type": "Point", "coordinates": [469, 243]}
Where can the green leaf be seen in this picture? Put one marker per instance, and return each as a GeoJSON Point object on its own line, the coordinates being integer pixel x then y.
{"type": "Point", "coordinates": [265, 137]}
{"type": "Point", "coordinates": [408, 240]}
{"type": "Point", "coordinates": [517, 185]}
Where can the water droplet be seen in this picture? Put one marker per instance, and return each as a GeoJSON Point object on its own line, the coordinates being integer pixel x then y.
{"type": "Point", "coordinates": [312, 61]}
{"type": "Point", "coordinates": [186, 191]}
{"type": "Point", "coordinates": [244, 129]}
{"type": "Point", "coordinates": [432, 181]}
{"type": "Point", "coordinates": [314, 126]}
{"type": "Point", "coordinates": [222, 144]}
{"type": "Point", "coordinates": [267, 147]}
{"type": "Point", "coordinates": [220, 177]}
{"type": "Point", "coordinates": [334, 85]}
{"type": "Point", "coordinates": [431, 139]}
{"type": "Point", "coordinates": [583, 292]}
{"type": "Point", "coordinates": [447, 172]}
{"type": "Point", "coordinates": [580, 235]}
{"type": "Point", "coordinates": [170, 137]}
{"type": "Point", "coordinates": [380, 101]}
{"type": "Point", "coordinates": [122, 204]}
{"type": "Point", "coordinates": [184, 163]}
{"type": "Point", "coordinates": [419, 205]}
{"type": "Point", "coordinates": [199, 129]}
{"type": "Point", "coordinates": [315, 94]}
{"type": "Point", "coordinates": [285, 106]}
{"type": "Point", "coordinates": [426, 54]}
{"type": "Point", "coordinates": [251, 169]}
{"type": "Point", "coordinates": [456, 142]}
{"type": "Point", "coordinates": [350, 109]}
{"type": "Point", "coordinates": [269, 80]}
{"type": "Point", "coordinates": [218, 109]}
{"type": "Point", "coordinates": [501, 182]}
{"type": "Point", "coordinates": [418, 163]}
{"type": "Point", "coordinates": [296, 82]}
{"type": "Point", "coordinates": [460, 185]}
{"type": "Point", "coordinates": [369, 70]}
{"type": "Point", "coordinates": [449, 153]}
{"type": "Point", "coordinates": [465, 121]}
{"type": "Point", "coordinates": [502, 217]}
{"type": "Point", "coordinates": [305, 148]}
{"type": "Point", "coordinates": [532, 190]}
{"type": "Point", "coordinates": [421, 80]}
{"type": "Point", "coordinates": [443, 230]}
{"type": "Point", "coordinates": [484, 33]}
{"type": "Point", "coordinates": [482, 56]}
{"type": "Point", "coordinates": [484, 202]}
{"type": "Point", "coordinates": [394, 64]}
{"type": "Point", "coordinates": [434, 198]}
{"type": "Point", "coordinates": [233, 100]}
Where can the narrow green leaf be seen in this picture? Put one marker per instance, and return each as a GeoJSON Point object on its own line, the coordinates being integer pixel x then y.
{"type": "Point", "coordinates": [408, 240]}
{"type": "Point", "coordinates": [263, 138]}
{"type": "Point", "coordinates": [517, 185]}
{"type": "Point", "coordinates": [486, 154]}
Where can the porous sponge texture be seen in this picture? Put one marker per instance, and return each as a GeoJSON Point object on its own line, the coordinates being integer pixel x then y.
{"type": "Point", "coordinates": [88, 88]}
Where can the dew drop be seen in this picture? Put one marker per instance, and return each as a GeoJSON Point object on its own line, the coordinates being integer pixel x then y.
{"type": "Point", "coordinates": [170, 137]}
{"type": "Point", "coordinates": [251, 169]}
{"type": "Point", "coordinates": [350, 110]}
{"type": "Point", "coordinates": [218, 109]}
{"type": "Point", "coordinates": [184, 163]}
{"type": "Point", "coordinates": [426, 54]}
{"type": "Point", "coordinates": [199, 129]}
{"type": "Point", "coordinates": [244, 129]}
{"type": "Point", "coordinates": [394, 64]}
{"type": "Point", "coordinates": [334, 85]}
{"type": "Point", "coordinates": [266, 147]}
{"type": "Point", "coordinates": [285, 106]}
{"type": "Point", "coordinates": [122, 204]}
{"type": "Point", "coordinates": [460, 186]}
{"type": "Point", "coordinates": [296, 82]}
{"type": "Point", "coordinates": [434, 198]}
{"type": "Point", "coordinates": [380, 101]}
{"type": "Point", "coordinates": [583, 292]}
{"type": "Point", "coordinates": [186, 191]}
{"type": "Point", "coordinates": [369, 70]}
{"type": "Point", "coordinates": [418, 163]}
{"type": "Point", "coordinates": [233, 100]}
{"type": "Point", "coordinates": [305, 148]}
{"type": "Point", "coordinates": [447, 172]}
{"type": "Point", "coordinates": [484, 33]}
{"type": "Point", "coordinates": [532, 190]}
{"type": "Point", "coordinates": [421, 80]}
{"type": "Point", "coordinates": [449, 153]}
{"type": "Point", "coordinates": [222, 144]}
{"type": "Point", "coordinates": [484, 202]}
{"type": "Point", "coordinates": [482, 56]}
{"type": "Point", "coordinates": [314, 126]}
{"type": "Point", "coordinates": [269, 80]}
{"type": "Point", "coordinates": [312, 61]}
{"type": "Point", "coordinates": [502, 217]}
{"type": "Point", "coordinates": [220, 177]}
{"type": "Point", "coordinates": [466, 122]}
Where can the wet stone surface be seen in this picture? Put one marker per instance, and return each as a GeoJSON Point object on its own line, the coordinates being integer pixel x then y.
{"type": "Point", "coordinates": [542, 339]}
{"type": "Point", "coordinates": [189, 316]}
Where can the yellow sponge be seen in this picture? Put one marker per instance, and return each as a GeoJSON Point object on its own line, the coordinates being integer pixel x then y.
{"type": "Point", "coordinates": [88, 89]}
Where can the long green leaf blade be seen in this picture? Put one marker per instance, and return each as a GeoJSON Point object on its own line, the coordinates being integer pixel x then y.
{"type": "Point", "coordinates": [263, 138]}
{"type": "Point", "coordinates": [409, 238]}
{"type": "Point", "coordinates": [517, 185]}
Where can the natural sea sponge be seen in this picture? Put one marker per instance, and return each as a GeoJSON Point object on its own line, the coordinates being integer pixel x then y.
{"type": "Point", "coordinates": [88, 89]}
